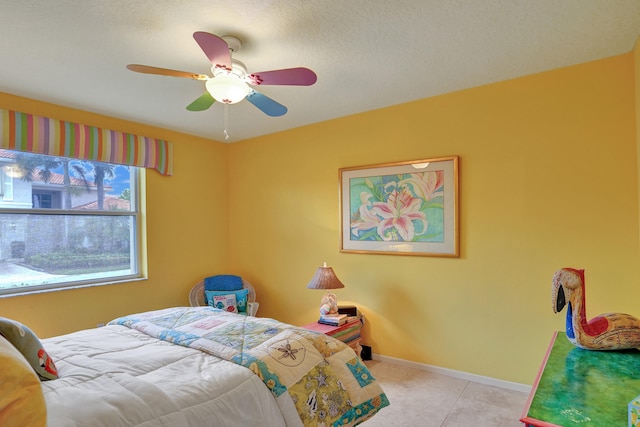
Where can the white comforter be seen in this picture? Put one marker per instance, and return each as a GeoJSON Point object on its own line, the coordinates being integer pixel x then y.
{"type": "Point", "coordinates": [160, 384]}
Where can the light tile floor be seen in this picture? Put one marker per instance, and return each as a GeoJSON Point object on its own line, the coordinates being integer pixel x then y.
{"type": "Point", "coordinates": [426, 399]}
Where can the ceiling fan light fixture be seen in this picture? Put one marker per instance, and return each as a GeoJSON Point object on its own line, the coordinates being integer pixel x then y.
{"type": "Point", "coordinates": [229, 82]}
{"type": "Point", "coordinates": [227, 89]}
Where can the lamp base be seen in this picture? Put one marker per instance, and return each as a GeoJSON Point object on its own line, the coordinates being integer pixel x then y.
{"type": "Point", "coordinates": [329, 304]}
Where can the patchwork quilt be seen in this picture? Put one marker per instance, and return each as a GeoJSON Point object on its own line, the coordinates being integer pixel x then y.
{"type": "Point", "coordinates": [315, 379]}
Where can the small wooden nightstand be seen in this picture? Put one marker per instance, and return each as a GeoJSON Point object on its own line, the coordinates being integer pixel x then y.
{"type": "Point", "coordinates": [348, 333]}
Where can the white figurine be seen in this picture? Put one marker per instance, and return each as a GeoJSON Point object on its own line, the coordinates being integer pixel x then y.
{"type": "Point", "coordinates": [329, 304]}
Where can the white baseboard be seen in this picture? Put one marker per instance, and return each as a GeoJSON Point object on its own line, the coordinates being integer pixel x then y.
{"type": "Point", "coordinates": [456, 374]}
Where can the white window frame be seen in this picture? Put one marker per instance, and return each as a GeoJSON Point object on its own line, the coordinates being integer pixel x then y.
{"type": "Point", "coordinates": [7, 183]}
{"type": "Point", "coordinates": [137, 263]}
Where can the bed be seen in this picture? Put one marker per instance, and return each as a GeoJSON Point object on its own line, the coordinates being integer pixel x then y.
{"type": "Point", "coordinates": [199, 366]}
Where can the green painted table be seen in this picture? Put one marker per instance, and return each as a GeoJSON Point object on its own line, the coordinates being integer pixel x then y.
{"type": "Point", "coordinates": [586, 388]}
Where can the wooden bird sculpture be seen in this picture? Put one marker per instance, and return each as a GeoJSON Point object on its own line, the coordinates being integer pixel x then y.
{"type": "Point", "coordinates": [609, 331]}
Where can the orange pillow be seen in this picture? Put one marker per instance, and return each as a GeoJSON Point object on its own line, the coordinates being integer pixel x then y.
{"type": "Point", "coordinates": [21, 399]}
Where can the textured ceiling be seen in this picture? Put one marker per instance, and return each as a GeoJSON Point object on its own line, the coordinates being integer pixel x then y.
{"type": "Point", "coordinates": [368, 54]}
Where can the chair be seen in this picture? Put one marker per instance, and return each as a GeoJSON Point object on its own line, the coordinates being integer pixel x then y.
{"type": "Point", "coordinates": [196, 295]}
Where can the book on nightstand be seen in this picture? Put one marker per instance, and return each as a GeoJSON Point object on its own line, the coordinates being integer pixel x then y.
{"type": "Point", "coordinates": [333, 319]}
{"type": "Point", "coordinates": [348, 332]}
{"type": "Point", "coordinates": [352, 324]}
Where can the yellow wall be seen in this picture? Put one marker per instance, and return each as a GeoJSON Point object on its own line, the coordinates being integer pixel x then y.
{"type": "Point", "coordinates": [636, 56]}
{"type": "Point", "coordinates": [548, 180]}
{"type": "Point", "coordinates": [548, 176]}
{"type": "Point", "coordinates": [186, 218]}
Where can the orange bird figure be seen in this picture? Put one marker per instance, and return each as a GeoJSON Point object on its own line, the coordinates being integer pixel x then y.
{"type": "Point", "coordinates": [608, 331]}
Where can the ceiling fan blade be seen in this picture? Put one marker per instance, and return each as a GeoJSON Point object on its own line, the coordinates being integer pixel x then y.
{"type": "Point", "coordinates": [202, 103]}
{"type": "Point", "coordinates": [146, 69]}
{"type": "Point", "coordinates": [266, 104]}
{"type": "Point", "coordinates": [299, 76]}
{"type": "Point", "coordinates": [216, 49]}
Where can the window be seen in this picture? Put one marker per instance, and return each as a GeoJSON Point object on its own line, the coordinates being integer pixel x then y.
{"type": "Point", "coordinates": [6, 187]}
{"type": "Point", "coordinates": [46, 199]}
{"type": "Point", "coordinates": [66, 222]}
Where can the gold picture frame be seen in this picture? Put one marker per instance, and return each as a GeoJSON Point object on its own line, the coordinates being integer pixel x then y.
{"type": "Point", "coordinates": [401, 208]}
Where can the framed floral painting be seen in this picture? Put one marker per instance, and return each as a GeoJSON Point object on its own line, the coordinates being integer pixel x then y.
{"type": "Point", "coordinates": [403, 208]}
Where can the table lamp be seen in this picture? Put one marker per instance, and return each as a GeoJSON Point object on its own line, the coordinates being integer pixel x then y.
{"type": "Point", "coordinates": [325, 278]}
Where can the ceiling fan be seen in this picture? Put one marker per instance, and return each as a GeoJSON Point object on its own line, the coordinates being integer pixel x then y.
{"type": "Point", "coordinates": [230, 83]}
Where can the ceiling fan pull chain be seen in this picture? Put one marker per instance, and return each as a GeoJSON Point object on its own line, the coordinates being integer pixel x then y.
{"type": "Point", "coordinates": [226, 121]}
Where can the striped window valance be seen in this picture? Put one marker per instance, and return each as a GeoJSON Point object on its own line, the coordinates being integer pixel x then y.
{"type": "Point", "coordinates": [42, 135]}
